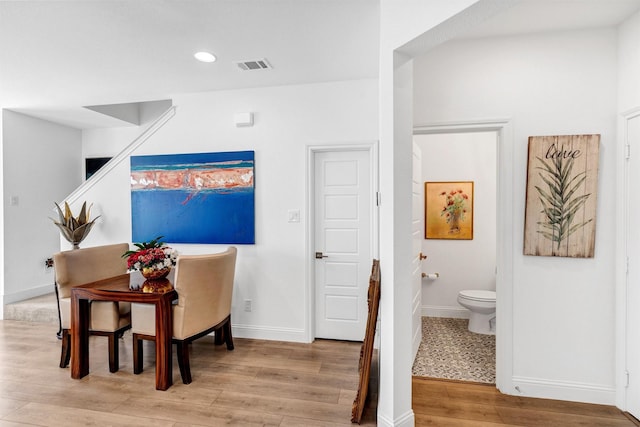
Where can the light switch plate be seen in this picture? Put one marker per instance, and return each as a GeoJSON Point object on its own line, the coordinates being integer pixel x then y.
{"type": "Point", "coordinates": [293, 215]}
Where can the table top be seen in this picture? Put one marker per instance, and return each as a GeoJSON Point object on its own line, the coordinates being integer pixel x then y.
{"type": "Point", "coordinates": [128, 286]}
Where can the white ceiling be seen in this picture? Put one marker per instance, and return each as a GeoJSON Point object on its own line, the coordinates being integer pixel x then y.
{"type": "Point", "coordinates": [538, 16]}
{"type": "Point", "coordinates": [56, 56]}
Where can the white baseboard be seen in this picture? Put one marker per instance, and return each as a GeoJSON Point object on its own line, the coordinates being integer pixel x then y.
{"type": "Point", "coordinates": [563, 390]}
{"type": "Point", "coordinates": [406, 420]}
{"type": "Point", "coordinates": [28, 293]}
{"type": "Point", "coordinates": [445, 311]}
{"type": "Point", "coordinates": [267, 333]}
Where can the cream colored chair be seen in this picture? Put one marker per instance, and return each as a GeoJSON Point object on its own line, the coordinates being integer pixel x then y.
{"type": "Point", "coordinates": [81, 266]}
{"type": "Point", "coordinates": [204, 284]}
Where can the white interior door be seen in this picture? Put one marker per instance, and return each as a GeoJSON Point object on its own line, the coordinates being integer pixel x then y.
{"type": "Point", "coordinates": [342, 198]}
{"type": "Point", "coordinates": [417, 227]}
{"type": "Point", "coordinates": [633, 273]}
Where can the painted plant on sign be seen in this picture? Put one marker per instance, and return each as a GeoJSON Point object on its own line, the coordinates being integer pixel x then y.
{"type": "Point", "coordinates": [559, 200]}
{"type": "Point", "coordinates": [561, 196]}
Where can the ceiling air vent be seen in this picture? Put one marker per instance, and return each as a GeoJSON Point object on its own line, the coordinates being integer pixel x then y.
{"type": "Point", "coordinates": [256, 64]}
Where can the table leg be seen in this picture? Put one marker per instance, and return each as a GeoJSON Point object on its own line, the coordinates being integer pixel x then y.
{"type": "Point", "coordinates": [79, 337]}
{"type": "Point", "coordinates": [164, 332]}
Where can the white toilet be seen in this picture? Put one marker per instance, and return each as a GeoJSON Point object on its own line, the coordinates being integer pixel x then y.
{"type": "Point", "coordinates": [482, 305]}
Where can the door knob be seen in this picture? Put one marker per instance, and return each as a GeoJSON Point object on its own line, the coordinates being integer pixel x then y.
{"type": "Point", "coordinates": [422, 256]}
{"type": "Point", "coordinates": [319, 255]}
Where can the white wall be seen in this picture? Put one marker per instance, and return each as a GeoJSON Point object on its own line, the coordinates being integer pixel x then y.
{"type": "Point", "coordinates": [461, 264]}
{"type": "Point", "coordinates": [2, 209]}
{"type": "Point", "coordinates": [42, 163]}
{"type": "Point", "coordinates": [628, 106]}
{"type": "Point", "coordinates": [406, 20]}
{"type": "Point", "coordinates": [107, 142]}
{"type": "Point", "coordinates": [287, 119]}
{"type": "Point", "coordinates": [629, 64]}
{"type": "Point", "coordinates": [548, 84]}
{"type": "Point", "coordinates": [400, 22]}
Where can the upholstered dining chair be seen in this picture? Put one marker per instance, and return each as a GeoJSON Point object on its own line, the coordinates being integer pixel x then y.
{"type": "Point", "coordinates": [204, 284]}
{"type": "Point", "coordinates": [111, 319]}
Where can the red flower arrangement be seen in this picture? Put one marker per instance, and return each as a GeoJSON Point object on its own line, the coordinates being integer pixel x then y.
{"type": "Point", "coordinates": [153, 259]}
{"type": "Point", "coordinates": [454, 205]}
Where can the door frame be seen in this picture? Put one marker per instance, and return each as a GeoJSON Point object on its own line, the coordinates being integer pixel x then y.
{"type": "Point", "coordinates": [372, 148]}
{"type": "Point", "coordinates": [504, 235]}
{"type": "Point", "coordinates": [622, 217]}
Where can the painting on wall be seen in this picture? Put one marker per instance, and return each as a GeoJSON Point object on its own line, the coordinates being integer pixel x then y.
{"type": "Point", "coordinates": [562, 181]}
{"type": "Point", "coordinates": [448, 210]}
{"type": "Point", "coordinates": [193, 198]}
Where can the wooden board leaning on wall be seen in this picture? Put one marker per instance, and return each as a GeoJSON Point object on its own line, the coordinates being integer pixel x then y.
{"type": "Point", "coordinates": [366, 351]}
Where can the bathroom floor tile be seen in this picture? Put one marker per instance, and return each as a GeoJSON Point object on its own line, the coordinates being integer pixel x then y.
{"type": "Point", "coordinates": [449, 351]}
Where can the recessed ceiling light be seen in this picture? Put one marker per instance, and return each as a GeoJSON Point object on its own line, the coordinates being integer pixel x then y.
{"type": "Point", "coordinates": [205, 56]}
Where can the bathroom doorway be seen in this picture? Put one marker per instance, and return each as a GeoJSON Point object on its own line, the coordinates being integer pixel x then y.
{"type": "Point", "coordinates": [449, 350]}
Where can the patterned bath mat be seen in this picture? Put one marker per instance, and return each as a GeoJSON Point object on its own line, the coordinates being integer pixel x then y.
{"type": "Point", "coordinates": [448, 350]}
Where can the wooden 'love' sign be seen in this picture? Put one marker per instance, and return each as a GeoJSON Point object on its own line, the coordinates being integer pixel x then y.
{"type": "Point", "coordinates": [562, 183]}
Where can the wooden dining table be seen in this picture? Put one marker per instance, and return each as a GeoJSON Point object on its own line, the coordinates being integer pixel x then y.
{"type": "Point", "coordinates": [119, 288]}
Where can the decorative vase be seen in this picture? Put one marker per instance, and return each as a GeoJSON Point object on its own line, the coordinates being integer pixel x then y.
{"type": "Point", "coordinates": [74, 229]}
{"type": "Point", "coordinates": [151, 274]}
{"type": "Point", "coordinates": [157, 286]}
{"type": "Point", "coordinates": [454, 224]}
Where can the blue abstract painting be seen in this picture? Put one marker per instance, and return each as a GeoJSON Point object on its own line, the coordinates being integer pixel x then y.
{"type": "Point", "coordinates": [193, 198]}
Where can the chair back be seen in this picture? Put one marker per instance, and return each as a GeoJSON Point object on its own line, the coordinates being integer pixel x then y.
{"type": "Point", "coordinates": [80, 266]}
{"type": "Point", "coordinates": [205, 286]}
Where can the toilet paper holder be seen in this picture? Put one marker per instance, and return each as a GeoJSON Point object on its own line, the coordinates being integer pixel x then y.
{"type": "Point", "coordinates": [430, 275]}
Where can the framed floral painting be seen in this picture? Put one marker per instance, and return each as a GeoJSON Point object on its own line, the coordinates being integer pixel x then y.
{"type": "Point", "coordinates": [448, 210]}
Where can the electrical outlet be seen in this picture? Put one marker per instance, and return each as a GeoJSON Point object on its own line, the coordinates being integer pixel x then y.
{"type": "Point", "coordinates": [48, 264]}
{"type": "Point", "coordinates": [247, 305]}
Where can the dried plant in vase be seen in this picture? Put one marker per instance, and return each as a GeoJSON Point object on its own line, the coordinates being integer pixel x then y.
{"type": "Point", "coordinates": [74, 229]}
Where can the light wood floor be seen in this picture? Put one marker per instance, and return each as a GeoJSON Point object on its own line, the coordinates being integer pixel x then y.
{"type": "Point", "coordinates": [445, 403]}
{"type": "Point", "coordinates": [260, 383]}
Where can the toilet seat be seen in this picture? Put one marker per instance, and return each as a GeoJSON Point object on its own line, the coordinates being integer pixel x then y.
{"type": "Point", "coordinates": [478, 295]}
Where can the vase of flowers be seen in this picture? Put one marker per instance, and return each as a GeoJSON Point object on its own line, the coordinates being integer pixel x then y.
{"type": "Point", "coordinates": [153, 259]}
{"type": "Point", "coordinates": [454, 209]}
